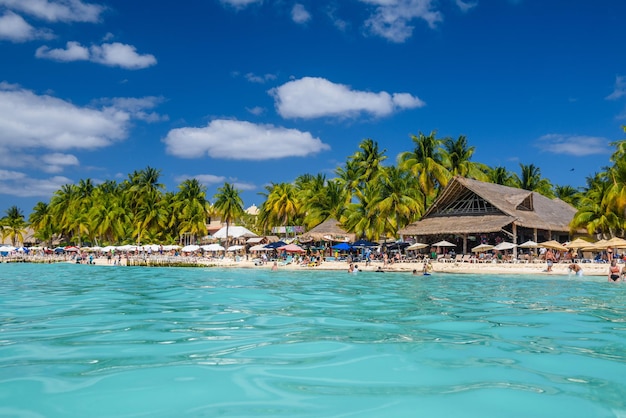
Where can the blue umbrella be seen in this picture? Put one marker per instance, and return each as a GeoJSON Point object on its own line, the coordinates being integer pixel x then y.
{"type": "Point", "coordinates": [274, 245]}
{"type": "Point", "coordinates": [342, 246]}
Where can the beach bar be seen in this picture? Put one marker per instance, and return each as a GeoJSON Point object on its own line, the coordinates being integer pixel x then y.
{"type": "Point", "coordinates": [469, 208]}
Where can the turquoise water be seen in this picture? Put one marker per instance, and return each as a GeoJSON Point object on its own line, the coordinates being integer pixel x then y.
{"type": "Point", "coordinates": [101, 341]}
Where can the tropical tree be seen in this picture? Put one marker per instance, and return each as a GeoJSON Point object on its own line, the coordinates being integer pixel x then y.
{"type": "Point", "coordinates": [595, 212]}
{"type": "Point", "coordinates": [457, 156]}
{"type": "Point", "coordinates": [532, 180]}
{"type": "Point", "coordinates": [500, 175]}
{"type": "Point", "coordinates": [228, 205]}
{"type": "Point", "coordinates": [426, 163]}
{"type": "Point", "coordinates": [41, 222]}
{"type": "Point", "coordinates": [191, 208]}
{"type": "Point", "coordinates": [567, 194]}
{"type": "Point", "coordinates": [398, 200]}
{"type": "Point", "coordinates": [13, 225]}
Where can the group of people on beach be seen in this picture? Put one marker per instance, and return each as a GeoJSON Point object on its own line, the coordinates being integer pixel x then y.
{"type": "Point", "coordinates": [616, 273]}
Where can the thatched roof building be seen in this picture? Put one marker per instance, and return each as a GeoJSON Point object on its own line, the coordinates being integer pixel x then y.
{"type": "Point", "coordinates": [329, 230]}
{"type": "Point", "coordinates": [467, 207]}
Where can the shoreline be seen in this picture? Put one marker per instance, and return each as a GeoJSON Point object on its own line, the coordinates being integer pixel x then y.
{"type": "Point", "coordinates": [589, 269]}
{"type": "Point", "coordinates": [558, 269]}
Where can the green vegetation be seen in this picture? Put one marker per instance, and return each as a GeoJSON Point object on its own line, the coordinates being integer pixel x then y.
{"type": "Point", "coordinates": [369, 198]}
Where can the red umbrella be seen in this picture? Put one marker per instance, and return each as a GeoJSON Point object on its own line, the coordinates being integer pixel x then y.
{"type": "Point", "coordinates": [291, 248]}
{"type": "Point", "coordinates": [71, 249]}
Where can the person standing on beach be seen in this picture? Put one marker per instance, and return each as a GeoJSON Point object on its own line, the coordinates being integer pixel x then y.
{"type": "Point", "coordinates": [550, 259]}
{"type": "Point", "coordinates": [614, 271]}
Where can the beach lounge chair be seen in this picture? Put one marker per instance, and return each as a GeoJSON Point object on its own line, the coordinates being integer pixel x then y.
{"type": "Point", "coordinates": [288, 260]}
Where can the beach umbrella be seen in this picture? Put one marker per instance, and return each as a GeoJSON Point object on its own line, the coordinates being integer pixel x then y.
{"type": "Point", "coordinates": [614, 242]}
{"type": "Point", "coordinates": [291, 248]}
{"type": "Point", "coordinates": [259, 247]}
{"type": "Point", "coordinates": [343, 246]}
{"type": "Point", "coordinates": [7, 248]}
{"type": "Point", "coordinates": [71, 249]}
{"type": "Point", "coordinates": [528, 244]}
{"type": "Point", "coordinates": [417, 246]}
{"type": "Point", "coordinates": [275, 245]}
{"type": "Point", "coordinates": [212, 248]}
{"type": "Point", "coordinates": [190, 248]}
{"type": "Point", "coordinates": [59, 250]}
{"type": "Point", "coordinates": [554, 245]}
{"type": "Point", "coordinates": [234, 248]}
{"type": "Point", "coordinates": [505, 246]}
{"type": "Point", "coordinates": [579, 243]}
{"type": "Point", "coordinates": [482, 248]}
{"type": "Point", "coordinates": [108, 248]}
{"type": "Point", "coordinates": [364, 243]}
{"type": "Point", "coordinates": [443, 244]}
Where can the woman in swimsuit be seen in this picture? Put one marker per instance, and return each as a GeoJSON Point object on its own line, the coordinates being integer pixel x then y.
{"type": "Point", "coordinates": [614, 272]}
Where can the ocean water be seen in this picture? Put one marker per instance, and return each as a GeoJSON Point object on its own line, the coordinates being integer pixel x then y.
{"type": "Point", "coordinates": [102, 341]}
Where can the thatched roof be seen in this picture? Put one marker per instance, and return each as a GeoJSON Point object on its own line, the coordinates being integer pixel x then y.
{"type": "Point", "coordinates": [472, 206]}
{"type": "Point", "coordinates": [329, 230]}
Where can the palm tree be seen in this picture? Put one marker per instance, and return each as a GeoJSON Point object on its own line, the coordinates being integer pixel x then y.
{"type": "Point", "coordinates": [64, 203]}
{"type": "Point", "coordinates": [13, 225]}
{"type": "Point", "coordinates": [191, 208]}
{"type": "Point", "coordinates": [595, 212]}
{"type": "Point", "coordinates": [228, 205]}
{"type": "Point", "coordinates": [500, 175]}
{"type": "Point", "coordinates": [282, 205]}
{"type": "Point", "coordinates": [323, 203]}
{"type": "Point", "coordinates": [457, 158]}
{"type": "Point", "coordinates": [41, 221]}
{"type": "Point", "coordinates": [531, 180]}
{"type": "Point", "coordinates": [567, 194]}
{"type": "Point", "coordinates": [399, 199]}
{"type": "Point", "coordinates": [426, 162]}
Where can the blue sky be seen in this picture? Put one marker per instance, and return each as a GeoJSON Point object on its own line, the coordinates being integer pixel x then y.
{"type": "Point", "coordinates": [260, 91]}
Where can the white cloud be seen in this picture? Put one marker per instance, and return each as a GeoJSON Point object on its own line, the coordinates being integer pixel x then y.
{"type": "Point", "coordinates": [391, 18]}
{"type": "Point", "coordinates": [18, 184]}
{"type": "Point", "coordinates": [619, 90]}
{"type": "Point", "coordinates": [57, 10]}
{"type": "Point", "coordinates": [466, 6]}
{"type": "Point", "coordinates": [113, 54]}
{"type": "Point", "coordinates": [576, 145]}
{"type": "Point", "coordinates": [56, 162]}
{"type": "Point", "coordinates": [240, 140]}
{"type": "Point", "coordinates": [299, 14]}
{"type": "Point", "coordinates": [137, 106]}
{"type": "Point", "coordinates": [73, 52]}
{"type": "Point", "coordinates": [312, 97]}
{"type": "Point", "coordinates": [256, 111]}
{"type": "Point", "coordinates": [31, 121]}
{"type": "Point", "coordinates": [253, 78]}
{"type": "Point", "coordinates": [240, 4]}
{"type": "Point", "coordinates": [15, 29]}
{"type": "Point", "coordinates": [243, 186]}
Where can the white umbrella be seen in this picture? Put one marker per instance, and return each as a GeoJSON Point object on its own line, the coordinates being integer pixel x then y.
{"type": "Point", "coordinates": [505, 246]}
{"type": "Point", "coordinates": [443, 244]}
{"type": "Point", "coordinates": [234, 232]}
{"type": "Point", "coordinates": [260, 247]}
{"type": "Point", "coordinates": [190, 248]}
{"type": "Point", "coordinates": [127, 247]}
{"type": "Point", "coordinates": [108, 248]}
{"type": "Point", "coordinates": [416, 246]}
{"type": "Point", "coordinates": [234, 248]}
{"type": "Point", "coordinates": [482, 247]}
{"type": "Point", "coordinates": [171, 247]}
{"type": "Point", "coordinates": [529, 244]}
{"type": "Point", "coordinates": [212, 247]}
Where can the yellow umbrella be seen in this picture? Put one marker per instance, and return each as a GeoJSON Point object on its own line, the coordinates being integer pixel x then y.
{"type": "Point", "coordinates": [552, 244]}
{"type": "Point", "coordinates": [614, 242]}
{"type": "Point", "coordinates": [579, 243]}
